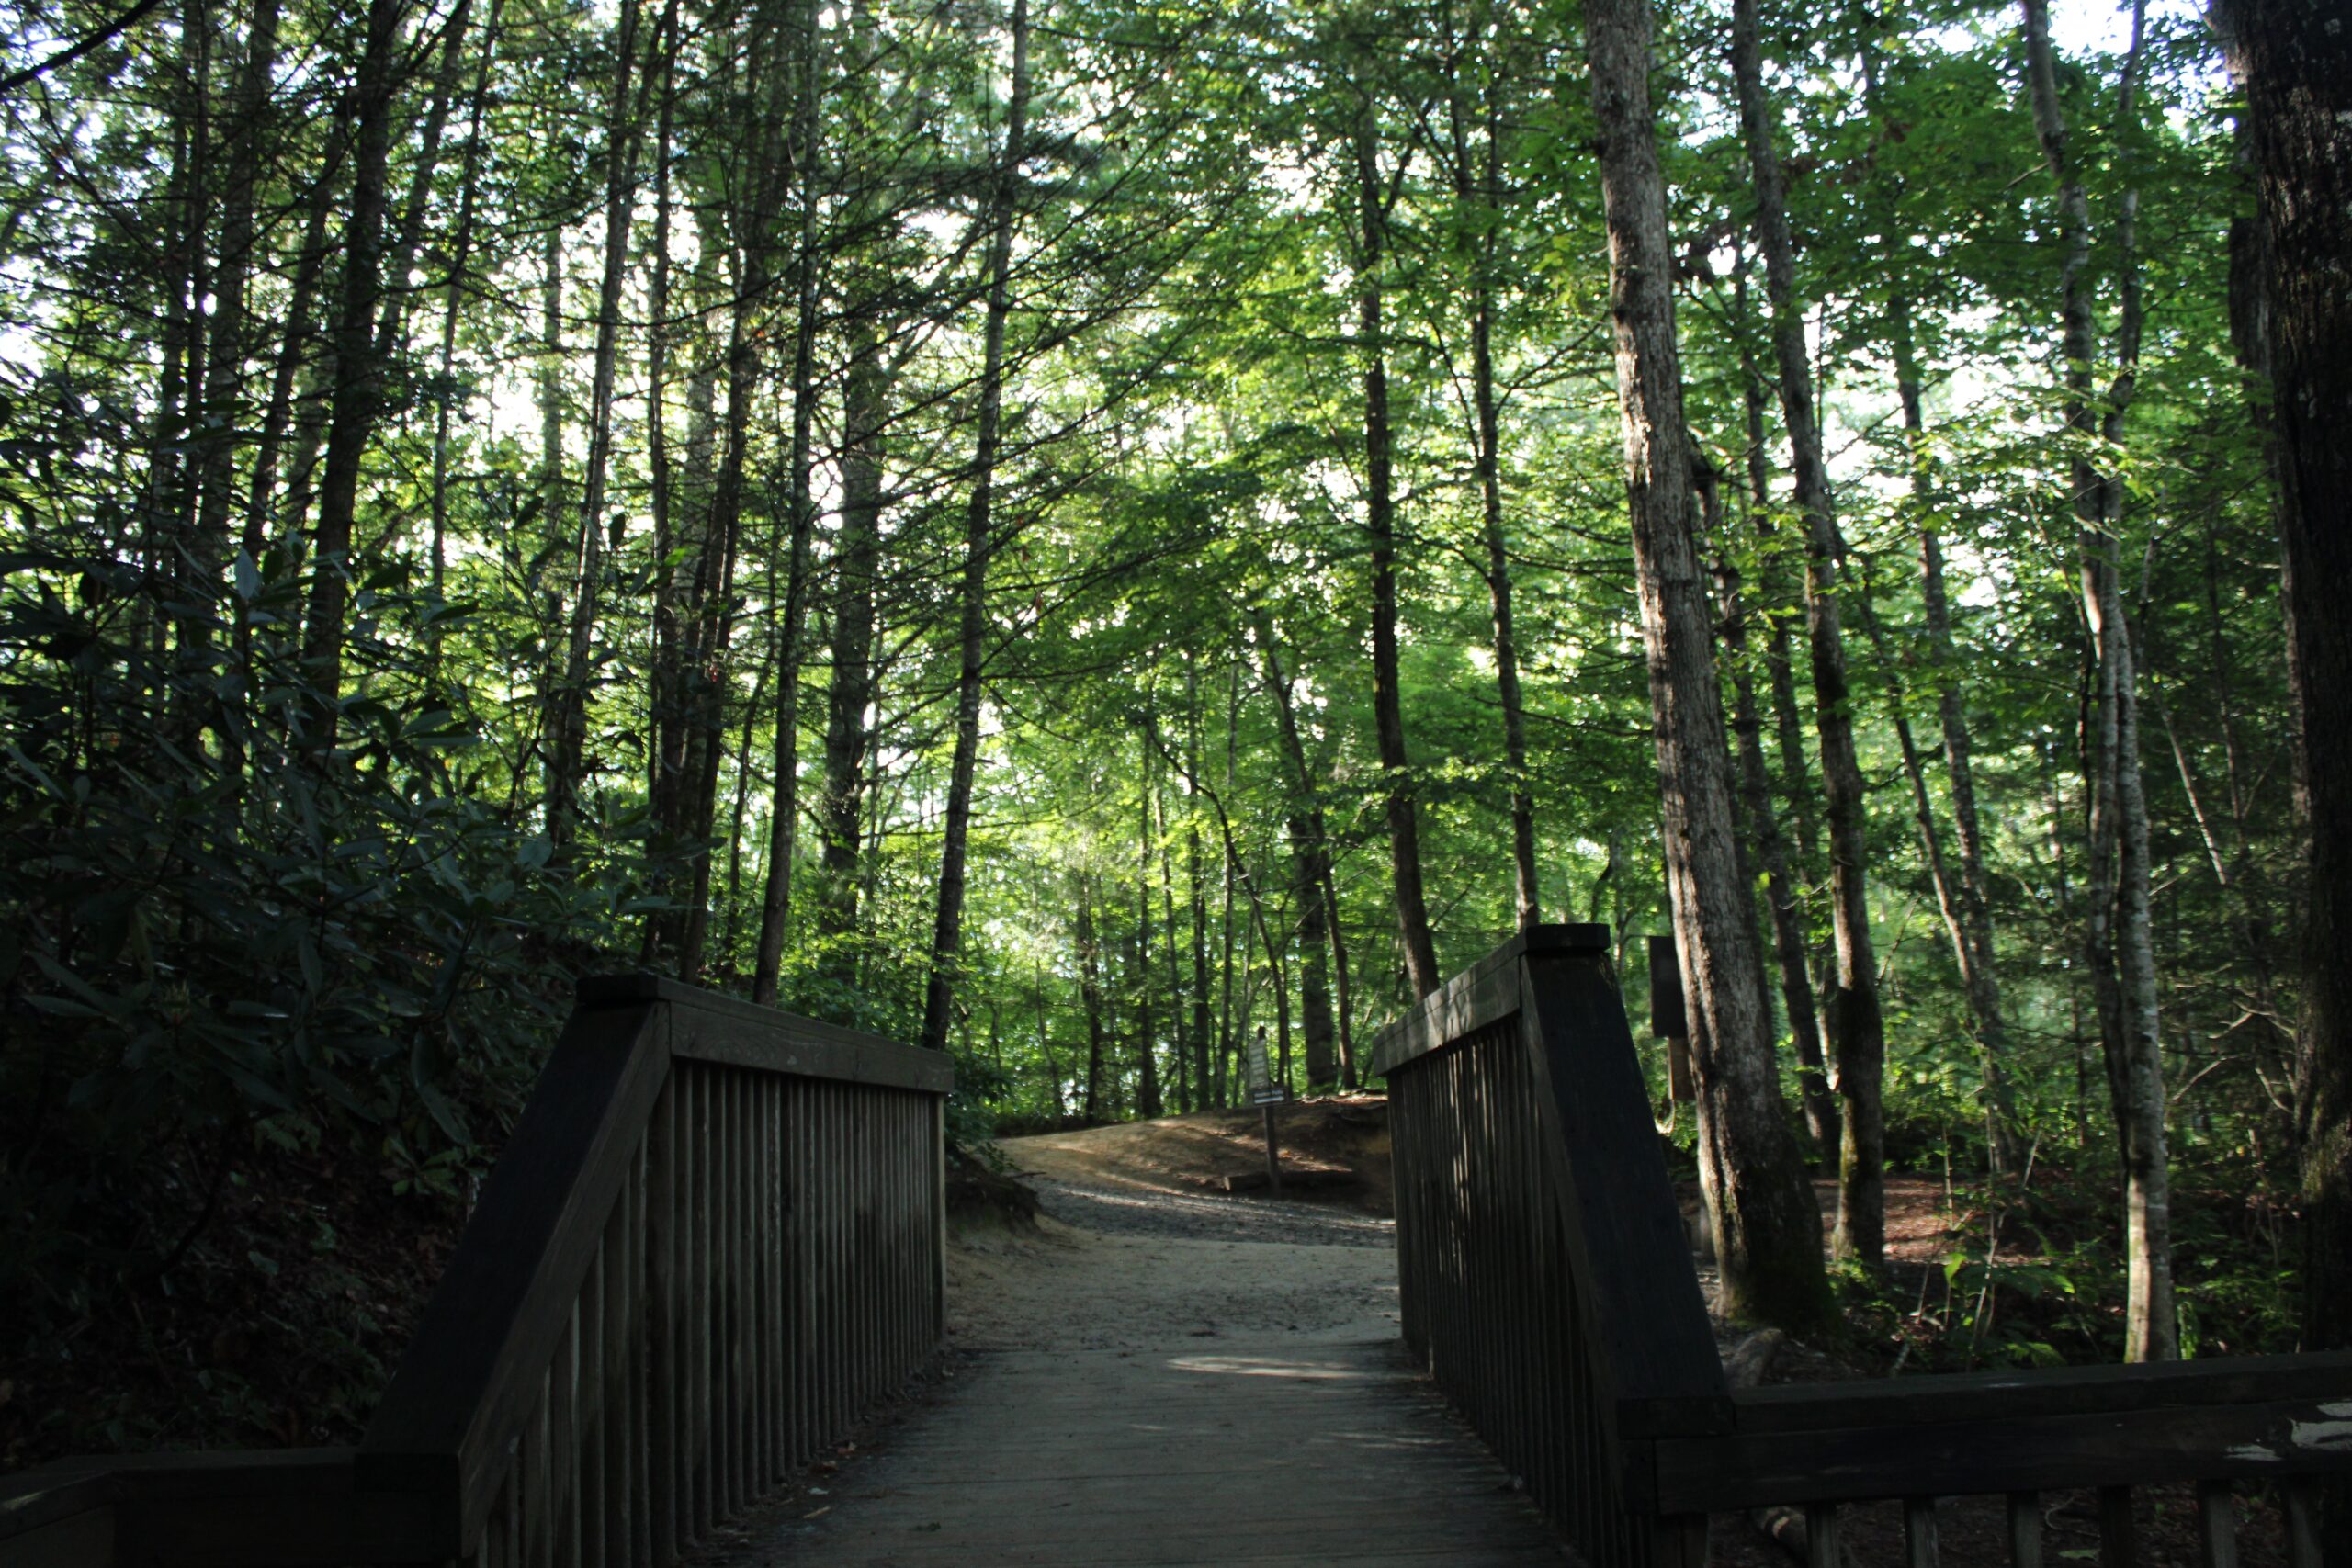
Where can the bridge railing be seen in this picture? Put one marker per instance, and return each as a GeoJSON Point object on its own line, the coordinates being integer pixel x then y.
{"type": "Point", "coordinates": [716, 1236]}
{"type": "Point", "coordinates": [1546, 1278]}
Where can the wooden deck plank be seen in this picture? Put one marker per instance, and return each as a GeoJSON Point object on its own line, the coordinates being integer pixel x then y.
{"type": "Point", "coordinates": [1270, 1453]}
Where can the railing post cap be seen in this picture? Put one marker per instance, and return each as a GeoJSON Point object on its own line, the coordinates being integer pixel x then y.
{"type": "Point", "coordinates": [1581, 937]}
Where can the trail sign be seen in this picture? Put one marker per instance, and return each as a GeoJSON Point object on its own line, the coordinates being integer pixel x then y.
{"type": "Point", "coordinates": [1265, 1094]}
{"type": "Point", "coordinates": [1264, 1090]}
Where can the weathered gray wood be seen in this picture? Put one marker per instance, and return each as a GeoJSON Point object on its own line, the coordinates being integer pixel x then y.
{"type": "Point", "coordinates": [2054, 1391]}
{"type": "Point", "coordinates": [689, 1267]}
{"type": "Point", "coordinates": [1345, 1456]}
{"type": "Point", "coordinates": [1623, 1226]}
{"type": "Point", "coordinates": [1823, 1547]}
{"type": "Point", "coordinates": [1481, 994]}
{"type": "Point", "coordinates": [2300, 1499]}
{"type": "Point", "coordinates": [714, 1028]}
{"type": "Point", "coordinates": [465, 1385]}
{"type": "Point", "coordinates": [1919, 1543]}
{"type": "Point", "coordinates": [2217, 1524]}
{"type": "Point", "coordinates": [2025, 1528]}
{"type": "Point", "coordinates": [2180, 1443]}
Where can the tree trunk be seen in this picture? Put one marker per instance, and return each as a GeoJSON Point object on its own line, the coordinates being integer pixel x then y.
{"type": "Point", "coordinates": [565, 771]}
{"type": "Point", "coordinates": [1857, 1023]}
{"type": "Point", "coordinates": [1765, 1221]}
{"type": "Point", "coordinates": [1477, 189]}
{"type": "Point", "coordinates": [1090, 986]}
{"type": "Point", "coordinates": [1966, 906]}
{"type": "Point", "coordinates": [1784, 889]}
{"type": "Point", "coordinates": [784, 816]}
{"type": "Point", "coordinates": [1179, 1021]}
{"type": "Point", "coordinates": [1147, 1040]}
{"type": "Point", "coordinates": [2117, 932]}
{"type": "Point", "coordinates": [454, 288]}
{"type": "Point", "coordinates": [231, 336]}
{"type": "Point", "coordinates": [947, 929]}
{"type": "Point", "coordinates": [358, 374]}
{"type": "Point", "coordinates": [1772, 852]}
{"type": "Point", "coordinates": [865, 391]}
{"type": "Point", "coordinates": [1380, 521]}
{"type": "Point", "coordinates": [1310, 863]}
{"type": "Point", "coordinates": [1204, 1091]}
{"type": "Point", "coordinates": [2294, 59]}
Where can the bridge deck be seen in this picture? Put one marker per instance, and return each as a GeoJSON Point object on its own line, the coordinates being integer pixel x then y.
{"type": "Point", "coordinates": [1273, 1452]}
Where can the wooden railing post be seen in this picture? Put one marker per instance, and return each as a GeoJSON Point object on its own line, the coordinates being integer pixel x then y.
{"type": "Point", "coordinates": [1546, 1283]}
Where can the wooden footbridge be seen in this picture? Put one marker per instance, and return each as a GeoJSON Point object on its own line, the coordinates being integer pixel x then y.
{"type": "Point", "coordinates": [717, 1239]}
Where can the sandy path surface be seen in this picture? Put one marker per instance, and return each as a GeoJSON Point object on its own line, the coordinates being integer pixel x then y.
{"type": "Point", "coordinates": [1123, 1261]}
{"type": "Point", "coordinates": [1157, 1376]}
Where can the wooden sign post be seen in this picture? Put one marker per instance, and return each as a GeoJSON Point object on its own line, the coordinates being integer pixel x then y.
{"type": "Point", "coordinates": [1669, 1019]}
{"type": "Point", "coordinates": [1266, 1094]}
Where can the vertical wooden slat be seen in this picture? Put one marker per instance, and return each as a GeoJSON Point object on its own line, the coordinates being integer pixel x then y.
{"type": "Point", "coordinates": [1920, 1532]}
{"type": "Point", "coordinates": [539, 1470]}
{"type": "Point", "coordinates": [2025, 1528]}
{"type": "Point", "coordinates": [620, 1398]}
{"type": "Point", "coordinates": [1821, 1536]}
{"type": "Point", "coordinates": [564, 1445]}
{"type": "Point", "coordinates": [666, 1450]}
{"type": "Point", "coordinates": [735, 1206]}
{"type": "Point", "coordinates": [589, 1312]}
{"type": "Point", "coordinates": [699, 1305]}
{"type": "Point", "coordinates": [2118, 1533]}
{"type": "Point", "coordinates": [2217, 1524]}
{"type": "Point", "coordinates": [640, 1364]}
{"type": "Point", "coordinates": [763, 1291]}
{"type": "Point", "coordinates": [508, 1521]}
{"type": "Point", "coordinates": [2300, 1499]}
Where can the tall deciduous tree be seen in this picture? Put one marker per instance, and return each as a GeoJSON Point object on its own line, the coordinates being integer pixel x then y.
{"type": "Point", "coordinates": [1857, 1021]}
{"type": "Point", "coordinates": [1767, 1224]}
{"type": "Point", "coordinates": [2293, 59]}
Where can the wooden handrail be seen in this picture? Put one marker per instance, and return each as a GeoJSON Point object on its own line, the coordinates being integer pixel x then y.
{"type": "Point", "coordinates": [1527, 1170]}
{"type": "Point", "coordinates": [715, 1233]}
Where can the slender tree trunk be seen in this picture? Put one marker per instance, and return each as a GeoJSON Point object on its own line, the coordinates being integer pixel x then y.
{"type": "Point", "coordinates": [2118, 937]}
{"type": "Point", "coordinates": [1857, 1023]}
{"type": "Point", "coordinates": [1967, 905]}
{"type": "Point", "coordinates": [1147, 1040]}
{"type": "Point", "coordinates": [445, 389]}
{"type": "Point", "coordinates": [565, 772]}
{"type": "Point", "coordinates": [392, 322]}
{"type": "Point", "coordinates": [784, 818]}
{"type": "Point", "coordinates": [1380, 520]}
{"type": "Point", "coordinates": [294, 342]}
{"type": "Point", "coordinates": [231, 336]}
{"type": "Point", "coordinates": [1477, 191]}
{"type": "Point", "coordinates": [1204, 1090]}
{"type": "Point", "coordinates": [947, 929]}
{"type": "Point", "coordinates": [1177, 1020]}
{"type": "Point", "coordinates": [2294, 59]}
{"type": "Point", "coordinates": [852, 692]}
{"type": "Point", "coordinates": [358, 374]}
{"type": "Point", "coordinates": [1765, 1221]}
{"type": "Point", "coordinates": [1310, 865]}
{"type": "Point", "coordinates": [1228, 1041]}
{"type": "Point", "coordinates": [1090, 985]}
{"type": "Point", "coordinates": [1785, 887]}
{"type": "Point", "coordinates": [1772, 853]}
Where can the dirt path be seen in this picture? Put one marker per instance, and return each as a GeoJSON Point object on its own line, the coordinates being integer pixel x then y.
{"type": "Point", "coordinates": [1125, 1260]}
